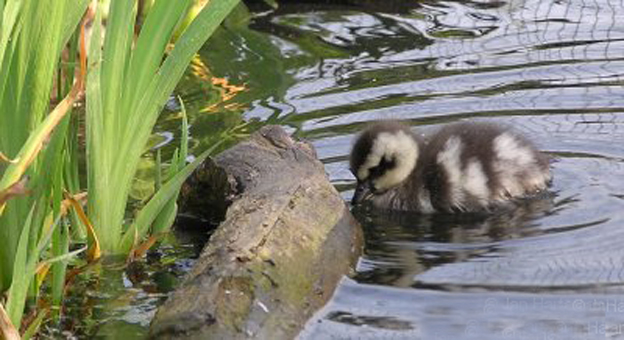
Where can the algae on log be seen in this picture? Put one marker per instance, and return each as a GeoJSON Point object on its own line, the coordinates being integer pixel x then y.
{"type": "Point", "coordinates": [286, 241]}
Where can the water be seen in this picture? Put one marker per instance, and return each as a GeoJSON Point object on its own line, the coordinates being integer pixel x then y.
{"type": "Point", "coordinates": [114, 300]}
{"type": "Point", "coordinates": [553, 268]}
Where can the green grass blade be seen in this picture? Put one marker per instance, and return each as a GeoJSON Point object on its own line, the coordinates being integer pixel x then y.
{"type": "Point", "coordinates": [184, 138]}
{"type": "Point", "coordinates": [34, 325]}
{"type": "Point", "coordinates": [113, 154]}
{"type": "Point", "coordinates": [154, 97]}
{"type": "Point", "coordinates": [99, 177]}
{"type": "Point", "coordinates": [163, 222]}
{"type": "Point", "coordinates": [21, 275]}
{"type": "Point", "coordinates": [60, 249]}
{"type": "Point", "coordinates": [151, 210]}
{"type": "Point", "coordinates": [30, 150]}
{"type": "Point", "coordinates": [36, 100]}
{"type": "Point", "coordinates": [158, 175]}
{"type": "Point", "coordinates": [117, 48]}
{"type": "Point", "coordinates": [32, 36]}
{"type": "Point", "coordinates": [191, 40]}
{"type": "Point", "coordinates": [8, 17]}
{"type": "Point", "coordinates": [66, 256]}
{"type": "Point", "coordinates": [166, 217]}
{"type": "Point", "coordinates": [73, 13]}
{"type": "Point", "coordinates": [156, 33]}
{"type": "Point", "coordinates": [161, 86]}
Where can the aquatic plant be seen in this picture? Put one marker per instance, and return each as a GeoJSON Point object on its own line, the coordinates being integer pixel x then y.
{"type": "Point", "coordinates": [128, 83]}
{"type": "Point", "coordinates": [32, 37]}
{"type": "Point", "coordinates": [127, 86]}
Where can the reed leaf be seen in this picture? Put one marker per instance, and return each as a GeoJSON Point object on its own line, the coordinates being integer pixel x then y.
{"type": "Point", "coordinates": [32, 36]}
{"type": "Point", "coordinates": [33, 327]}
{"type": "Point", "coordinates": [126, 90]}
{"type": "Point", "coordinates": [151, 210]}
{"type": "Point", "coordinates": [21, 278]}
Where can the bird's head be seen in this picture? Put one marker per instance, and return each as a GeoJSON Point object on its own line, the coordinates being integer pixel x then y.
{"type": "Point", "coordinates": [383, 157]}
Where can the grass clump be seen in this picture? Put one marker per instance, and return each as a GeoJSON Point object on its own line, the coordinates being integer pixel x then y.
{"type": "Point", "coordinates": [128, 78]}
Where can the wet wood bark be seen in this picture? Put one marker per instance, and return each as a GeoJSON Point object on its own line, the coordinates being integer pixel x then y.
{"type": "Point", "coordinates": [286, 241]}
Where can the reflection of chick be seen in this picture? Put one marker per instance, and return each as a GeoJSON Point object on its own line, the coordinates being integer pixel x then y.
{"type": "Point", "coordinates": [464, 167]}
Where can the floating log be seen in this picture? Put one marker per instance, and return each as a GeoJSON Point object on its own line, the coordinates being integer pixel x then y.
{"type": "Point", "coordinates": [286, 241]}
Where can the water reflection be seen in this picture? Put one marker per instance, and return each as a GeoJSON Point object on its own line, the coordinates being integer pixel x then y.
{"type": "Point", "coordinates": [511, 57]}
{"type": "Point", "coordinates": [400, 246]}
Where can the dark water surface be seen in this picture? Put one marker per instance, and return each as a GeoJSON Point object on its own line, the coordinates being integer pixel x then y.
{"type": "Point", "coordinates": [551, 269]}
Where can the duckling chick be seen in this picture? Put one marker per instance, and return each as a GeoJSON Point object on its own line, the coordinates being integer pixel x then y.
{"type": "Point", "coordinates": [464, 167]}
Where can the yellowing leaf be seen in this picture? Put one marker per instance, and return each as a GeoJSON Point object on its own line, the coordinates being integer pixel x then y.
{"type": "Point", "coordinates": [142, 248]}
{"type": "Point", "coordinates": [4, 158]}
{"type": "Point", "coordinates": [42, 271]}
{"type": "Point", "coordinates": [37, 138]}
{"type": "Point", "coordinates": [7, 330]}
{"type": "Point", "coordinates": [94, 252]}
{"type": "Point", "coordinates": [14, 190]}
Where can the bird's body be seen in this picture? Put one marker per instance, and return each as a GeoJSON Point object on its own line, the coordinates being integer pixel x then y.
{"type": "Point", "coordinates": [464, 167]}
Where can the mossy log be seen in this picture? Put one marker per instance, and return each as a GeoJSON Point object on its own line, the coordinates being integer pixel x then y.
{"type": "Point", "coordinates": [286, 241]}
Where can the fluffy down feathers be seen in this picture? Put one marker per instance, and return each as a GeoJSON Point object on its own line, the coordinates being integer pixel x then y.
{"type": "Point", "coordinates": [464, 167]}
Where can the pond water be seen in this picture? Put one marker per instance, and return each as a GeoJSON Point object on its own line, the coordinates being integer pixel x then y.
{"type": "Point", "coordinates": [552, 269]}
{"type": "Point", "coordinates": [554, 70]}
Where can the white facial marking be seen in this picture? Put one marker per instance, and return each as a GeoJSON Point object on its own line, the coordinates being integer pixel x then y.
{"type": "Point", "coordinates": [449, 159]}
{"type": "Point", "coordinates": [398, 146]}
{"type": "Point", "coordinates": [475, 181]}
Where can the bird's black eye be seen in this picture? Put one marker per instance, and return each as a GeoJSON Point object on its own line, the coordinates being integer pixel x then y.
{"type": "Point", "coordinates": [383, 167]}
{"type": "Point", "coordinates": [376, 171]}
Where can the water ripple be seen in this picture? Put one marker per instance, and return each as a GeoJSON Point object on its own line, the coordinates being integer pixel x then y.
{"type": "Point", "coordinates": [553, 70]}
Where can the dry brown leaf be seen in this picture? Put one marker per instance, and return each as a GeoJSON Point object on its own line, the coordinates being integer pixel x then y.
{"type": "Point", "coordinates": [7, 330]}
{"type": "Point", "coordinates": [16, 189]}
{"type": "Point", "coordinates": [142, 248]}
{"type": "Point", "coordinates": [94, 252]}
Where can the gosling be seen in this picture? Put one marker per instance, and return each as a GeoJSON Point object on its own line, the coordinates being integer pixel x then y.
{"type": "Point", "coordinates": [464, 167]}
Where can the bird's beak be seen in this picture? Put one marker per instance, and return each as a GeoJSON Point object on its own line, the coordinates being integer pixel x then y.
{"type": "Point", "coordinates": [362, 192]}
